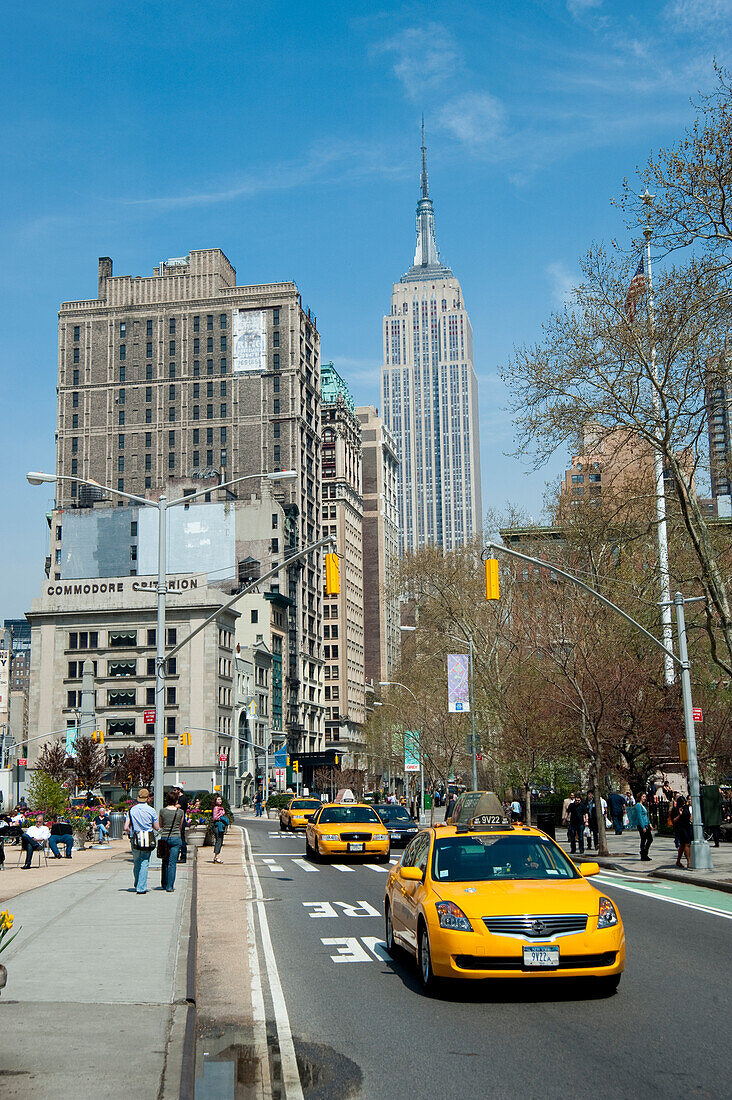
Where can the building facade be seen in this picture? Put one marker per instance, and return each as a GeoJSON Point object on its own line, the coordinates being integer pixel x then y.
{"type": "Point", "coordinates": [183, 375]}
{"type": "Point", "coordinates": [429, 396]}
{"type": "Point", "coordinates": [343, 615]}
{"type": "Point", "coordinates": [718, 394]}
{"type": "Point", "coordinates": [112, 623]}
{"type": "Point", "coordinates": [380, 467]}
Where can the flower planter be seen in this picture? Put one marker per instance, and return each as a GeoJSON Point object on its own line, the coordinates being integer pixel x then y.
{"type": "Point", "coordinates": [80, 842]}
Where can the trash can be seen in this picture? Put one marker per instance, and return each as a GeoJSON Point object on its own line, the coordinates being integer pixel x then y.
{"type": "Point", "coordinates": [545, 822]}
{"type": "Point", "coordinates": [116, 825]}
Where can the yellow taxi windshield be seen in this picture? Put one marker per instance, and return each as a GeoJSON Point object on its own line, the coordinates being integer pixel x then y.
{"type": "Point", "coordinates": [475, 858]}
{"type": "Point", "coordinates": [348, 815]}
{"type": "Point", "coordinates": [304, 804]}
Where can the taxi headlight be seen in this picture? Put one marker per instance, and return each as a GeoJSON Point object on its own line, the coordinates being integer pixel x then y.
{"type": "Point", "coordinates": [608, 914]}
{"type": "Point", "coordinates": [451, 916]}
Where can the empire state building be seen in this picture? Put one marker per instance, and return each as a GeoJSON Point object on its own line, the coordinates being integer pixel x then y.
{"type": "Point", "coordinates": [429, 396]}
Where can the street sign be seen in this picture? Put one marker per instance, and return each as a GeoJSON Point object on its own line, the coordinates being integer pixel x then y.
{"type": "Point", "coordinates": [222, 758]}
{"type": "Point", "coordinates": [148, 717]}
{"type": "Point", "coordinates": [23, 761]}
{"type": "Point", "coordinates": [696, 714]}
{"type": "Point", "coordinates": [280, 758]}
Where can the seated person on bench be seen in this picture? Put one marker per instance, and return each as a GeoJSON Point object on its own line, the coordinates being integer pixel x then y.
{"type": "Point", "coordinates": [61, 834]}
{"type": "Point", "coordinates": [33, 840]}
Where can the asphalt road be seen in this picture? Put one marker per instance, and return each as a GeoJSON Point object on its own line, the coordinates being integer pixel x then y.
{"type": "Point", "coordinates": [362, 1027]}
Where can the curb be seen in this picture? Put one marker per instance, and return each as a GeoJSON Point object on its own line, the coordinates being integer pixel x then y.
{"type": "Point", "coordinates": [188, 1068]}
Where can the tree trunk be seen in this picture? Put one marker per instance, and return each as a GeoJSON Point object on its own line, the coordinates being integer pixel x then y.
{"type": "Point", "coordinates": [602, 849]}
{"type": "Point", "coordinates": [528, 804]}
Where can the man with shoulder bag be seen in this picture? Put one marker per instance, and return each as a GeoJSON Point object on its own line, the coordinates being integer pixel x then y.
{"type": "Point", "coordinates": [140, 825]}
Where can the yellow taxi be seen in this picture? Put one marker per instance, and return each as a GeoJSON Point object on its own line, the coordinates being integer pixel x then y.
{"type": "Point", "coordinates": [482, 898]}
{"type": "Point", "coordinates": [346, 829]}
{"type": "Point", "coordinates": [297, 813]}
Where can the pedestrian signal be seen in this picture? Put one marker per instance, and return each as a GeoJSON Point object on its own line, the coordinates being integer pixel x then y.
{"type": "Point", "coordinates": [332, 575]}
{"type": "Point", "coordinates": [492, 589]}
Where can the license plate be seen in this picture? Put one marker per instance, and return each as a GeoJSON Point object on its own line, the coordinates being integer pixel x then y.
{"type": "Point", "coordinates": [356, 847]}
{"type": "Point", "coordinates": [547, 956]}
{"type": "Point", "coordinates": [396, 836]}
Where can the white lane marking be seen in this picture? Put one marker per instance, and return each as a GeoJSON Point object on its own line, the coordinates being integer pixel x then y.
{"type": "Point", "coordinates": [260, 1020]}
{"type": "Point", "coordinates": [342, 867]}
{"type": "Point", "coordinates": [348, 949]}
{"type": "Point", "coordinates": [360, 909]}
{"type": "Point", "coordinates": [290, 1073]}
{"type": "Point", "coordinates": [304, 865]}
{"type": "Point", "coordinates": [320, 909]}
{"type": "Point", "coordinates": [393, 862]}
{"type": "Point", "coordinates": [611, 883]}
{"type": "Point", "coordinates": [376, 867]}
{"type": "Point", "coordinates": [377, 947]}
{"type": "Point", "coordinates": [272, 865]}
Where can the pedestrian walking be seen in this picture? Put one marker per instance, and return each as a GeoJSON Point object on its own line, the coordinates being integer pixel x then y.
{"type": "Point", "coordinates": [577, 813]}
{"type": "Point", "coordinates": [257, 803]}
{"type": "Point", "coordinates": [172, 818]}
{"type": "Point", "coordinates": [616, 804]}
{"type": "Point", "coordinates": [183, 800]}
{"type": "Point", "coordinates": [681, 821]}
{"type": "Point", "coordinates": [141, 824]}
{"type": "Point", "coordinates": [644, 827]}
{"type": "Point", "coordinates": [594, 838]}
{"type": "Point", "coordinates": [220, 824]}
{"type": "Point", "coordinates": [450, 806]}
{"type": "Point", "coordinates": [515, 810]}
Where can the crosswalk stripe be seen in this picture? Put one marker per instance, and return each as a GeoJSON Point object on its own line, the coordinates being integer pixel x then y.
{"type": "Point", "coordinates": [305, 865]}
{"type": "Point", "coordinates": [272, 865]}
{"type": "Point", "coordinates": [341, 867]}
{"type": "Point", "coordinates": [375, 867]}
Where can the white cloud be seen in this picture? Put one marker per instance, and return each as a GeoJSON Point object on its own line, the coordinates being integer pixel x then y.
{"type": "Point", "coordinates": [561, 281]}
{"type": "Point", "coordinates": [425, 57]}
{"type": "Point", "coordinates": [699, 15]}
{"type": "Point", "coordinates": [579, 7]}
{"type": "Point", "coordinates": [475, 118]}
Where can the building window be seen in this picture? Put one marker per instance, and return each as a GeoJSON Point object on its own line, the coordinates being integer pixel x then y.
{"type": "Point", "coordinates": [148, 415]}
{"type": "Point", "coordinates": [222, 320]}
{"type": "Point", "coordinates": [276, 361]}
{"type": "Point", "coordinates": [121, 698]}
{"type": "Point", "coordinates": [75, 381]}
{"type": "Point", "coordinates": [74, 444]}
{"type": "Point", "coordinates": [150, 694]}
{"type": "Point", "coordinates": [171, 347]}
{"type": "Point", "coordinates": [276, 385]}
{"type": "Point", "coordinates": [133, 529]}
{"type": "Point", "coordinates": [148, 372]}
{"type": "Point", "coordinates": [196, 368]}
{"type": "Point", "coordinates": [151, 640]}
{"type": "Point", "coordinates": [170, 725]}
{"type": "Point", "coordinates": [171, 393]}
{"type": "Point", "coordinates": [276, 452]}
{"type": "Point", "coordinates": [76, 332]}
{"type": "Point", "coordinates": [122, 639]}
{"type": "Point", "coordinates": [222, 366]}
{"type": "Point", "coordinates": [171, 370]}
{"type": "Point", "coordinates": [276, 406]}
{"type": "Point", "coordinates": [171, 326]}
{"type": "Point", "coordinates": [255, 616]}
{"type": "Point", "coordinates": [195, 412]}
{"type": "Point", "coordinates": [223, 457]}
{"type": "Point", "coordinates": [171, 439]}
{"type": "Point", "coordinates": [209, 389]}
{"type": "Point", "coordinates": [171, 414]}
{"type": "Point", "coordinates": [123, 351]}
{"type": "Point", "coordinates": [222, 386]}
{"type": "Point", "coordinates": [71, 698]}
{"type": "Point", "coordinates": [171, 460]}
{"type": "Point", "coordinates": [76, 355]}
{"type": "Point", "coordinates": [72, 670]}
{"type": "Point", "coordinates": [120, 464]}
{"type": "Point", "coordinates": [209, 343]}
{"type": "Point", "coordinates": [121, 442]}
{"type": "Point", "coordinates": [209, 366]}
{"type": "Point", "coordinates": [209, 435]}
{"type": "Point", "coordinates": [121, 417]}
{"type": "Point", "coordinates": [223, 343]}
{"type": "Point", "coordinates": [275, 317]}
{"type": "Point", "coordinates": [121, 728]}
{"type": "Point", "coordinates": [222, 413]}
{"type": "Point", "coordinates": [275, 521]}
{"type": "Point", "coordinates": [120, 397]}
{"type": "Point", "coordinates": [171, 635]}
{"type": "Point", "coordinates": [170, 697]}
{"type": "Point", "coordinates": [122, 374]}
{"type": "Point", "coordinates": [149, 328]}
{"type": "Point", "coordinates": [209, 412]}
{"type": "Point", "coordinates": [122, 668]}
{"type": "Point", "coordinates": [196, 390]}
{"type": "Point", "coordinates": [196, 435]}
{"type": "Point", "coordinates": [148, 350]}
{"type": "Point", "coordinates": [209, 322]}
{"type": "Point", "coordinates": [196, 345]}
{"type": "Point", "coordinates": [74, 467]}
{"type": "Point", "coordinates": [196, 458]}
{"type": "Point", "coordinates": [223, 435]}
{"type": "Point", "coordinates": [74, 401]}
{"type": "Point", "coordinates": [276, 429]}
{"type": "Point", "coordinates": [148, 483]}
{"type": "Point", "coordinates": [275, 339]}
{"type": "Point", "coordinates": [209, 458]}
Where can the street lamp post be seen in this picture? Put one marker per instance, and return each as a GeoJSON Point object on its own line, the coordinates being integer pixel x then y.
{"type": "Point", "coordinates": [162, 505]}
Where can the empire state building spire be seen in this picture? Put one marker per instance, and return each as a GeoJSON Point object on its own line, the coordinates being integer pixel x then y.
{"type": "Point", "coordinates": [426, 254]}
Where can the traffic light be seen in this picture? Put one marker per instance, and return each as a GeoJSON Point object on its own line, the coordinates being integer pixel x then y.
{"type": "Point", "coordinates": [296, 765]}
{"type": "Point", "coordinates": [98, 735]}
{"type": "Point", "coordinates": [332, 575]}
{"type": "Point", "coordinates": [492, 589]}
{"type": "Point", "coordinates": [185, 737]}
{"type": "Point", "coordinates": [335, 760]}
{"type": "Point", "coordinates": [165, 746]}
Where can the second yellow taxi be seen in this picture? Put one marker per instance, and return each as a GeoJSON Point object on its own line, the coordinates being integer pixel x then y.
{"type": "Point", "coordinates": [481, 898]}
{"type": "Point", "coordinates": [297, 813]}
{"type": "Point", "coordinates": [346, 830]}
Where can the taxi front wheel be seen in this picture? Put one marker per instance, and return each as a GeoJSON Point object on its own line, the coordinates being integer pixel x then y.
{"type": "Point", "coordinates": [427, 977]}
{"type": "Point", "coordinates": [391, 946]}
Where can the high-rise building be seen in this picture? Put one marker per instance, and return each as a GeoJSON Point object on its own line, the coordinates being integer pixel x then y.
{"type": "Point", "coordinates": [380, 547]}
{"type": "Point", "coordinates": [185, 375]}
{"type": "Point", "coordinates": [343, 615]}
{"type": "Point", "coordinates": [429, 396]}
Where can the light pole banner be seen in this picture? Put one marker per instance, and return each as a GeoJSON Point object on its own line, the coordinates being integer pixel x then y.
{"type": "Point", "coordinates": [411, 750]}
{"type": "Point", "coordinates": [458, 683]}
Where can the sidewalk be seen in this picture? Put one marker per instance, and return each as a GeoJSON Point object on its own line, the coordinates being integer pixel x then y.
{"type": "Point", "coordinates": [625, 856]}
{"type": "Point", "coordinates": [14, 880]}
{"type": "Point", "coordinates": [96, 997]}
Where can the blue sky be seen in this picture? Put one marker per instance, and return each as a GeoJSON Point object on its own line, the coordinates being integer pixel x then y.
{"type": "Point", "coordinates": [287, 134]}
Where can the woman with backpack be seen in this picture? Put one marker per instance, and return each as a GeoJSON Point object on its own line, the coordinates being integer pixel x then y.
{"type": "Point", "coordinates": [172, 819]}
{"type": "Point", "coordinates": [220, 825]}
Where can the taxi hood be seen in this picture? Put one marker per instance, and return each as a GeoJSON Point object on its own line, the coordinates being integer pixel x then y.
{"type": "Point", "coordinates": [516, 897]}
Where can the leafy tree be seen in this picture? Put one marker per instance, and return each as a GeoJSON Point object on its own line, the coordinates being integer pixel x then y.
{"type": "Point", "coordinates": [53, 760]}
{"type": "Point", "coordinates": [90, 763]}
{"type": "Point", "coordinates": [46, 793]}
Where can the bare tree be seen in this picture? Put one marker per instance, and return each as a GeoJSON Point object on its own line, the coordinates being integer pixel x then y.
{"type": "Point", "coordinates": [53, 760]}
{"type": "Point", "coordinates": [90, 763]}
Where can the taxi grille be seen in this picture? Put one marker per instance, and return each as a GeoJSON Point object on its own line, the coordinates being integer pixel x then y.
{"type": "Point", "coordinates": [355, 836]}
{"type": "Point", "coordinates": [566, 962]}
{"type": "Point", "coordinates": [537, 927]}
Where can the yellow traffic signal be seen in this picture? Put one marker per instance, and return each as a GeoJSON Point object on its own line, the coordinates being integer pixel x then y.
{"type": "Point", "coordinates": [335, 761]}
{"type": "Point", "coordinates": [165, 746]}
{"type": "Point", "coordinates": [98, 735]}
{"type": "Point", "coordinates": [683, 752]}
{"type": "Point", "coordinates": [185, 737]}
{"type": "Point", "coordinates": [332, 575]}
{"type": "Point", "coordinates": [492, 588]}
{"type": "Point", "coordinates": [296, 765]}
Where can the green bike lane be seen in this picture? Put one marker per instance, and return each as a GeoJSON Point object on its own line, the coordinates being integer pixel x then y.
{"type": "Point", "coordinates": [681, 894]}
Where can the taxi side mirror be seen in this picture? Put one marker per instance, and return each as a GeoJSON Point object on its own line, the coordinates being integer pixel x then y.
{"type": "Point", "coordinates": [587, 869]}
{"type": "Point", "coordinates": [410, 874]}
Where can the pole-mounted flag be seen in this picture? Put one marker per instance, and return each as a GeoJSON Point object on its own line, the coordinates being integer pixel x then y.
{"type": "Point", "coordinates": [636, 288]}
